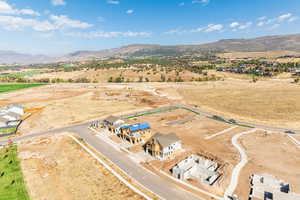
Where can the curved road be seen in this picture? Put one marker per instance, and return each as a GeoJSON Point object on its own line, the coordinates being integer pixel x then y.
{"type": "Point", "coordinates": [153, 182]}
{"type": "Point", "coordinates": [237, 169]}
{"type": "Point", "coordinates": [158, 185]}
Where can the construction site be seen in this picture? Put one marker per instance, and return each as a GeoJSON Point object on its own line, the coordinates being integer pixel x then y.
{"type": "Point", "coordinates": [179, 144]}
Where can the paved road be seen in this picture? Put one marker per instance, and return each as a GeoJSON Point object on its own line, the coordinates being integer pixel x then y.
{"type": "Point", "coordinates": [153, 182]}
{"type": "Point", "coordinates": [267, 128]}
{"type": "Point", "coordinates": [149, 180]}
{"type": "Point", "coordinates": [237, 169]}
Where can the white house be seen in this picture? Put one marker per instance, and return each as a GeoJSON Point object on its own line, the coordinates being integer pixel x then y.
{"type": "Point", "coordinates": [162, 146]}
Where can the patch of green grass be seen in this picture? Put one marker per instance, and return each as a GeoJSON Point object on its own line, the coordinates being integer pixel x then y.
{"type": "Point", "coordinates": [12, 185]}
{"type": "Point", "coordinates": [8, 131]}
{"type": "Point", "coordinates": [150, 113]}
{"type": "Point", "coordinates": [21, 74]}
{"type": "Point", "coordinates": [13, 87]}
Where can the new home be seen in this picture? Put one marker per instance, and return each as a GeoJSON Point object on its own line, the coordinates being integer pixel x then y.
{"type": "Point", "coordinates": [268, 187]}
{"type": "Point", "coordinates": [162, 146]}
{"type": "Point", "coordinates": [136, 133]}
{"type": "Point", "coordinates": [113, 123]}
{"type": "Point", "coordinates": [198, 168]}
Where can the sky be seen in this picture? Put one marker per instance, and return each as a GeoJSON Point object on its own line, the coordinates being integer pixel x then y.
{"type": "Point", "coordinates": [55, 27]}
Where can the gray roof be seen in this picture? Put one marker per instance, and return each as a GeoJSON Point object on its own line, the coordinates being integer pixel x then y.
{"type": "Point", "coordinates": [165, 139]}
{"type": "Point", "coordinates": [2, 119]}
{"type": "Point", "coordinates": [111, 119]}
{"type": "Point", "coordinates": [15, 115]}
{"type": "Point", "coordinates": [16, 105]}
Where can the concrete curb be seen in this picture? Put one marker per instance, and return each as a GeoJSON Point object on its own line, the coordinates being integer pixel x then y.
{"type": "Point", "coordinates": [110, 169]}
{"type": "Point", "coordinates": [191, 186]}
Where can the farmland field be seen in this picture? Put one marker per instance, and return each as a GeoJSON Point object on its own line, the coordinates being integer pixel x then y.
{"type": "Point", "coordinates": [21, 74]}
{"type": "Point", "coordinates": [11, 177]}
{"type": "Point", "coordinates": [12, 87]}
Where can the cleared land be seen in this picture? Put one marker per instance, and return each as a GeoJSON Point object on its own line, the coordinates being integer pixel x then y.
{"type": "Point", "coordinates": [13, 87]}
{"type": "Point", "coordinates": [272, 154]}
{"type": "Point", "coordinates": [48, 166]}
{"type": "Point", "coordinates": [11, 177]}
{"type": "Point", "coordinates": [65, 104]}
{"type": "Point", "coordinates": [193, 133]}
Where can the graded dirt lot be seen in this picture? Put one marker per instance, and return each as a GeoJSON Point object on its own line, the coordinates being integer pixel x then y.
{"type": "Point", "coordinates": [49, 170]}
{"type": "Point", "coordinates": [65, 104]}
{"type": "Point", "coordinates": [272, 154]}
{"type": "Point", "coordinates": [193, 133]}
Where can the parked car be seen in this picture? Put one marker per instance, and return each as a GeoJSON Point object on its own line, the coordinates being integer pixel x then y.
{"type": "Point", "coordinates": [232, 121]}
{"type": "Point", "coordinates": [218, 118]}
{"type": "Point", "coordinates": [290, 132]}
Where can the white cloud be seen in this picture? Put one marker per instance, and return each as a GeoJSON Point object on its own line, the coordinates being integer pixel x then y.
{"type": "Point", "coordinates": [58, 2]}
{"type": "Point", "coordinates": [234, 24]}
{"type": "Point", "coordinates": [260, 23]}
{"type": "Point", "coordinates": [130, 11]}
{"type": "Point", "coordinates": [5, 8]}
{"type": "Point", "coordinates": [292, 19]}
{"type": "Point", "coordinates": [204, 2]}
{"type": "Point", "coordinates": [208, 28]}
{"type": "Point", "coordinates": [54, 23]}
{"type": "Point", "coordinates": [274, 26]}
{"type": "Point", "coordinates": [283, 17]}
{"type": "Point", "coordinates": [275, 22]}
{"type": "Point", "coordinates": [65, 21]}
{"type": "Point", "coordinates": [175, 32]}
{"type": "Point", "coordinates": [262, 18]}
{"type": "Point", "coordinates": [18, 23]}
{"type": "Point", "coordinates": [114, 2]}
{"type": "Point", "coordinates": [244, 26]}
{"type": "Point", "coordinates": [112, 34]}
{"type": "Point", "coordinates": [213, 27]}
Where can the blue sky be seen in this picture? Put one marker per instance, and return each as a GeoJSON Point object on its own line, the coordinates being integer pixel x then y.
{"type": "Point", "coordinates": [61, 26]}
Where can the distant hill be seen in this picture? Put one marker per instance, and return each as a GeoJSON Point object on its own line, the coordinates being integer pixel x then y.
{"type": "Point", "coordinates": [289, 43]}
{"type": "Point", "coordinates": [11, 57]}
{"type": "Point", "coordinates": [261, 44]}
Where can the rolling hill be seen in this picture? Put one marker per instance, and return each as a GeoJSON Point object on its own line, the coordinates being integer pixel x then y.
{"type": "Point", "coordinates": [289, 43]}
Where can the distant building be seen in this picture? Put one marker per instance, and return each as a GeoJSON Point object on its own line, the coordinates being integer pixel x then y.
{"type": "Point", "coordinates": [10, 117]}
{"type": "Point", "coordinates": [198, 168]}
{"type": "Point", "coordinates": [135, 133]}
{"type": "Point", "coordinates": [113, 123]}
{"type": "Point", "coordinates": [162, 146]}
{"type": "Point", "coordinates": [267, 187]}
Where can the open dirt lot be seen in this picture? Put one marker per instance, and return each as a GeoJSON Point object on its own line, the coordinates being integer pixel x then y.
{"type": "Point", "coordinates": [65, 104]}
{"type": "Point", "coordinates": [48, 165]}
{"type": "Point", "coordinates": [272, 154]}
{"type": "Point", "coordinates": [192, 134]}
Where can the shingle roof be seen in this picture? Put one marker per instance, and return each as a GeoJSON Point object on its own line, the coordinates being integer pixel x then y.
{"type": "Point", "coordinates": [165, 139]}
{"type": "Point", "coordinates": [111, 119]}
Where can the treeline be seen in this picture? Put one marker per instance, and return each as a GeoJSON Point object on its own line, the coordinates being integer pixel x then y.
{"type": "Point", "coordinates": [48, 80]}
{"type": "Point", "coordinates": [163, 78]}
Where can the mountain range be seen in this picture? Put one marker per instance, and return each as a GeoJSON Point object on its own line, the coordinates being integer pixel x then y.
{"type": "Point", "coordinates": [260, 44]}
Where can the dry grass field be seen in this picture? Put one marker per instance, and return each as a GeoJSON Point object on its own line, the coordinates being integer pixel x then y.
{"type": "Point", "coordinates": [271, 102]}
{"type": "Point", "coordinates": [48, 168]}
{"type": "Point", "coordinates": [103, 75]}
{"type": "Point", "coordinates": [272, 154]}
